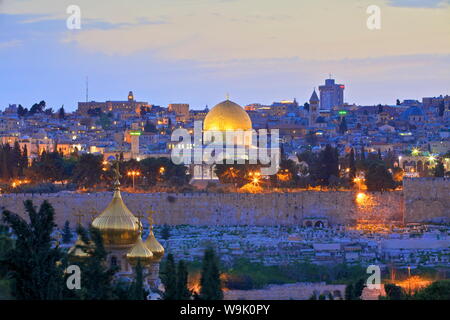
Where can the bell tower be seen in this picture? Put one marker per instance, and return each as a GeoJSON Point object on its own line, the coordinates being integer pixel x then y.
{"type": "Point", "coordinates": [313, 108]}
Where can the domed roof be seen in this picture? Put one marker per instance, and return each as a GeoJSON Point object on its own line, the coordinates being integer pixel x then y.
{"type": "Point", "coordinates": [411, 111]}
{"type": "Point", "coordinates": [140, 252]}
{"type": "Point", "coordinates": [155, 247]}
{"type": "Point", "coordinates": [117, 225]}
{"type": "Point", "coordinates": [225, 116]}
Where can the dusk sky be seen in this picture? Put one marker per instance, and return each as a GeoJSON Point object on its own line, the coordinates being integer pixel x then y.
{"type": "Point", "coordinates": [197, 51]}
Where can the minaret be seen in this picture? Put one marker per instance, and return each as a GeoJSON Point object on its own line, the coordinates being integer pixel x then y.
{"type": "Point", "coordinates": [313, 108]}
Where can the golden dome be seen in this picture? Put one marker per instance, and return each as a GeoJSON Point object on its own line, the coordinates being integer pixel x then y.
{"type": "Point", "coordinates": [156, 247]}
{"type": "Point", "coordinates": [140, 252]}
{"type": "Point", "coordinates": [117, 225]}
{"type": "Point", "coordinates": [75, 252]}
{"type": "Point", "coordinates": [226, 116]}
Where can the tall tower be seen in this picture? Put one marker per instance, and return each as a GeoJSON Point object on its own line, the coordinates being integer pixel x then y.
{"type": "Point", "coordinates": [331, 94]}
{"type": "Point", "coordinates": [313, 108]}
{"type": "Point", "coordinates": [135, 133]}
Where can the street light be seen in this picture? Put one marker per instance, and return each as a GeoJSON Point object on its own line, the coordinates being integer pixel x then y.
{"type": "Point", "coordinates": [133, 174]}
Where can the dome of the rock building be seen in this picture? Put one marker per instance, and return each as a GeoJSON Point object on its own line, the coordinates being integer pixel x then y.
{"type": "Point", "coordinates": [155, 247]}
{"type": "Point", "coordinates": [117, 225]}
{"type": "Point", "coordinates": [227, 116]}
{"type": "Point", "coordinates": [140, 252]}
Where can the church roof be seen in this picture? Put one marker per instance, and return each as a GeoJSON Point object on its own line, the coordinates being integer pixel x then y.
{"type": "Point", "coordinates": [314, 97]}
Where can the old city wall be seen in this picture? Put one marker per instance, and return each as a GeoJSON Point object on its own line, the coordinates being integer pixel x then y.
{"type": "Point", "coordinates": [337, 207]}
{"type": "Point", "coordinates": [427, 199]}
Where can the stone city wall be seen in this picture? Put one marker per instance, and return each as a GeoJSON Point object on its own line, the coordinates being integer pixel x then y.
{"type": "Point", "coordinates": [427, 199]}
{"type": "Point", "coordinates": [337, 207]}
{"type": "Point", "coordinates": [292, 291]}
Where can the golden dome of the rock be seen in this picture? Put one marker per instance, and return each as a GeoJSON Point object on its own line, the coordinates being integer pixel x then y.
{"type": "Point", "coordinates": [155, 247]}
{"type": "Point", "coordinates": [117, 225]}
{"type": "Point", "coordinates": [227, 116]}
{"type": "Point", "coordinates": [140, 252]}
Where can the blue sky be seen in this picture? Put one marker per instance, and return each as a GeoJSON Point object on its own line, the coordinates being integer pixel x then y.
{"type": "Point", "coordinates": [197, 51]}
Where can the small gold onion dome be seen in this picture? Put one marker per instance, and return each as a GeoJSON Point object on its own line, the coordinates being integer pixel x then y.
{"type": "Point", "coordinates": [117, 225]}
{"type": "Point", "coordinates": [76, 253]}
{"type": "Point", "coordinates": [156, 247]}
{"type": "Point", "coordinates": [227, 116]}
{"type": "Point", "coordinates": [140, 252]}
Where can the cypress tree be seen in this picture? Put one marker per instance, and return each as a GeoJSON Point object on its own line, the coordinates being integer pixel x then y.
{"type": "Point", "coordinates": [343, 126]}
{"type": "Point", "coordinates": [349, 292]}
{"type": "Point", "coordinates": [169, 279]}
{"type": "Point", "coordinates": [15, 160]}
{"type": "Point", "coordinates": [210, 280]}
{"type": "Point", "coordinates": [439, 170]}
{"type": "Point", "coordinates": [138, 291]}
{"type": "Point", "coordinates": [363, 154]}
{"type": "Point", "coordinates": [24, 159]}
{"type": "Point", "coordinates": [358, 289]}
{"type": "Point", "coordinates": [66, 232]}
{"type": "Point", "coordinates": [183, 292]}
{"type": "Point", "coordinates": [352, 164]}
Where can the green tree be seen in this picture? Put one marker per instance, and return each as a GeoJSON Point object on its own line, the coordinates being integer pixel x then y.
{"type": "Point", "coordinates": [349, 292]}
{"type": "Point", "coordinates": [211, 288]}
{"type": "Point", "coordinates": [378, 178]}
{"type": "Point", "coordinates": [6, 243]}
{"type": "Point", "coordinates": [97, 279]}
{"type": "Point", "coordinates": [352, 164]}
{"type": "Point", "coordinates": [88, 171]}
{"type": "Point", "coordinates": [169, 278]}
{"type": "Point", "coordinates": [343, 126]}
{"type": "Point", "coordinates": [48, 167]}
{"type": "Point", "coordinates": [438, 290]}
{"type": "Point", "coordinates": [138, 291]}
{"type": "Point", "coordinates": [61, 113]}
{"type": "Point", "coordinates": [21, 111]}
{"type": "Point", "coordinates": [358, 288]}
{"type": "Point", "coordinates": [182, 290]}
{"type": "Point", "coordinates": [441, 109]}
{"type": "Point", "coordinates": [104, 121]}
{"type": "Point", "coordinates": [236, 174]}
{"type": "Point", "coordinates": [33, 262]}
{"type": "Point", "coordinates": [439, 170]}
{"type": "Point", "coordinates": [66, 232]}
{"type": "Point", "coordinates": [394, 292]}
{"type": "Point", "coordinates": [327, 166]}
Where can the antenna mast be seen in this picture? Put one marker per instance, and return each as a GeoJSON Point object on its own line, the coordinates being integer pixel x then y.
{"type": "Point", "coordinates": [87, 88]}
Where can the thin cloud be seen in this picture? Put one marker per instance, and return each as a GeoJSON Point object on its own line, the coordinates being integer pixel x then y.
{"type": "Point", "coordinates": [419, 3]}
{"type": "Point", "coordinates": [10, 44]}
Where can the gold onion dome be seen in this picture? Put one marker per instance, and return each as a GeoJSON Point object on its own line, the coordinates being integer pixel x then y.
{"type": "Point", "coordinates": [117, 225]}
{"type": "Point", "coordinates": [156, 248]}
{"type": "Point", "coordinates": [140, 252]}
{"type": "Point", "coordinates": [227, 116]}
